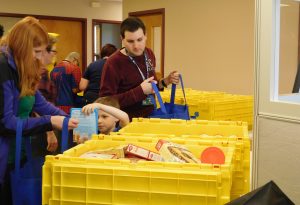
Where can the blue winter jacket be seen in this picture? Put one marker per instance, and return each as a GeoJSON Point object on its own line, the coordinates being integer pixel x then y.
{"type": "Point", "coordinates": [9, 97]}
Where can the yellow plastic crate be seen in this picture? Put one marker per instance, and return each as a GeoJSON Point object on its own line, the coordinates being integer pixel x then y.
{"type": "Point", "coordinates": [68, 179]}
{"type": "Point", "coordinates": [227, 133]}
{"type": "Point", "coordinates": [241, 160]}
{"type": "Point", "coordinates": [213, 105]}
{"type": "Point", "coordinates": [222, 109]}
{"type": "Point", "coordinates": [179, 127]}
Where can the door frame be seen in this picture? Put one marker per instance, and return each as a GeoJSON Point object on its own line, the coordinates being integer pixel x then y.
{"type": "Point", "coordinates": [150, 12]}
{"type": "Point", "coordinates": [83, 22]}
{"type": "Point", "coordinates": [100, 22]}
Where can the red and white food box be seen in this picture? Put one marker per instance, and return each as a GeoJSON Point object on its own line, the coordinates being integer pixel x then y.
{"type": "Point", "coordinates": [143, 153]}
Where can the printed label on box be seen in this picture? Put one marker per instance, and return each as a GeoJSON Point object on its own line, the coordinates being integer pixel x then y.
{"type": "Point", "coordinates": [88, 125]}
{"type": "Point", "coordinates": [143, 153]}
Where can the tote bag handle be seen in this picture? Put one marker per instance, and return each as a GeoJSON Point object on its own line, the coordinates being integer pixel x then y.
{"type": "Point", "coordinates": [64, 143]}
{"type": "Point", "coordinates": [162, 105]}
{"type": "Point", "coordinates": [65, 135]}
{"type": "Point", "coordinates": [173, 91]}
{"type": "Point", "coordinates": [172, 98]}
{"type": "Point", "coordinates": [18, 146]}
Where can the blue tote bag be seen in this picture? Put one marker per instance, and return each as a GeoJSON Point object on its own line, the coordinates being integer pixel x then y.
{"type": "Point", "coordinates": [170, 110]}
{"type": "Point", "coordinates": [26, 181]}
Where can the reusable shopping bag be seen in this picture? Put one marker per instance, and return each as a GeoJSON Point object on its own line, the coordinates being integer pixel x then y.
{"type": "Point", "coordinates": [269, 194]}
{"type": "Point", "coordinates": [26, 181]}
{"type": "Point", "coordinates": [170, 110]}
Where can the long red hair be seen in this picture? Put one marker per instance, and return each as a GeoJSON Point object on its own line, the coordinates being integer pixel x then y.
{"type": "Point", "coordinates": [21, 39]}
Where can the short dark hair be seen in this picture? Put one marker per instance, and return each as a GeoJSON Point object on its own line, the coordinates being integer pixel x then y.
{"type": "Point", "coordinates": [132, 24]}
{"type": "Point", "coordinates": [1, 30]}
{"type": "Point", "coordinates": [107, 50]}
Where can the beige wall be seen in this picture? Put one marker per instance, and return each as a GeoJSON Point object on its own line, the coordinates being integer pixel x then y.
{"type": "Point", "coordinates": [210, 42]}
{"type": "Point", "coordinates": [109, 10]}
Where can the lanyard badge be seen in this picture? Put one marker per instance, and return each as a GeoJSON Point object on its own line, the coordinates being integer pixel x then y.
{"type": "Point", "coordinates": [147, 101]}
{"type": "Point", "coordinates": [149, 67]}
{"type": "Point", "coordinates": [148, 63]}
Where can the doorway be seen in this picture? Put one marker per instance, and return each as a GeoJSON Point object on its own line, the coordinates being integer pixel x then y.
{"type": "Point", "coordinates": [104, 32]}
{"type": "Point", "coordinates": [154, 21]}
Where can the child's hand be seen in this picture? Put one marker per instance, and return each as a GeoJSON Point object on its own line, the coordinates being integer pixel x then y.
{"type": "Point", "coordinates": [88, 109]}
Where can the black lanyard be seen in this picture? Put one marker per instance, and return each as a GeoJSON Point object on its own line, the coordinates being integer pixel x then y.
{"type": "Point", "coordinates": [148, 64]}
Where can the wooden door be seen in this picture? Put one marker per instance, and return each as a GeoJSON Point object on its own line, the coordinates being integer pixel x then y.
{"type": "Point", "coordinates": [70, 37]}
{"type": "Point", "coordinates": [154, 22]}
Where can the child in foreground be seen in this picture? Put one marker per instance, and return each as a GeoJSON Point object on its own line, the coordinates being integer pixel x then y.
{"type": "Point", "coordinates": [110, 117]}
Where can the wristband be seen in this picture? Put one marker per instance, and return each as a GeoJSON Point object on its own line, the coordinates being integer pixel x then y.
{"type": "Point", "coordinates": [163, 83]}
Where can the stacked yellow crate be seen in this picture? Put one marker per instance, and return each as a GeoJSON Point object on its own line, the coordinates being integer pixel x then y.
{"type": "Point", "coordinates": [68, 179]}
{"type": "Point", "coordinates": [215, 105]}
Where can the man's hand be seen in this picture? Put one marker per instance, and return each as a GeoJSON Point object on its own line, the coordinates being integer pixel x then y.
{"type": "Point", "coordinates": [173, 78]}
{"type": "Point", "coordinates": [146, 85]}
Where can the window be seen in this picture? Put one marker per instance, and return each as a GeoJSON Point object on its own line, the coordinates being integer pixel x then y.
{"type": "Point", "coordinates": [288, 52]}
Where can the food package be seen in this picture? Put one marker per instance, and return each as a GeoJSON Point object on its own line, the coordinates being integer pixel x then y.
{"type": "Point", "coordinates": [112, 153]}
{"type": "Point", "coordinates": [134, 158]}
{"type": "Point", "coordinates": [98, 155]}
{"type": "Point", "coordinates": [143, 153]}
{"type": "Point", "coordinates": [172, 152]}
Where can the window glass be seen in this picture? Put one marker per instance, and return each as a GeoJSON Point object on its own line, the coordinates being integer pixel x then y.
{"type": "Point", "coordinates": [288, 73]}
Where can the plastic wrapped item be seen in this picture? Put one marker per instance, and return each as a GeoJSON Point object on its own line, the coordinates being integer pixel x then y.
{"type": "Point", "coordinates": [112, 153]}
{"type": "Point", "coordinates": [172, 152]}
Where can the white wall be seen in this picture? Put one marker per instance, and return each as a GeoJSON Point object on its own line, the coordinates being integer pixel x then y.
{"type": "Point", "coordinates": [67, 8]}
{"type": "Point", "coordinates": [279, 156]}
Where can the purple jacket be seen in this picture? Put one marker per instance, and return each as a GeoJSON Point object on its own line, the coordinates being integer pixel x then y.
{"type": "Point", "coordinates": [9, 99]}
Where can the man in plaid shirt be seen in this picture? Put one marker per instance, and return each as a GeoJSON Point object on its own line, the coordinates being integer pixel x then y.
{"type": "Point", "coordinates": [66, 77]}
